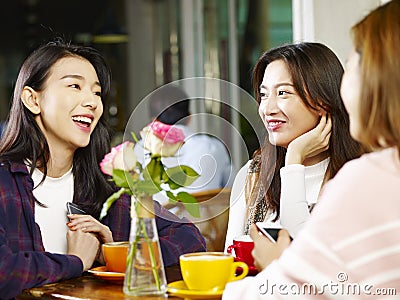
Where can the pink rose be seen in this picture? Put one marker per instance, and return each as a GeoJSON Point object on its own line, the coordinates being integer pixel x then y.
{"type": "Point", "coordinates": [121, 157]}
{"type": "Point", "coordinates": [168, 133]}
{"type": "Point", "coordinates": [162, 139]}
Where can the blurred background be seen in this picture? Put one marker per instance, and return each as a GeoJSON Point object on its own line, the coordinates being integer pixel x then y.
{"type": "Point", "coordinates": [149, 43]}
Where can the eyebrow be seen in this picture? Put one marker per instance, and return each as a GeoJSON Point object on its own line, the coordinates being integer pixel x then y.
{"type": "Point", "coordinates": [278, 85]}
{"type": "Point", "coordinates": [78, 77]}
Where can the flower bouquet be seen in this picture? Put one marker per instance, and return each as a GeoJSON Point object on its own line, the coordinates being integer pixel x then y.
{"type": "Point", "coordinates": [145, 271]}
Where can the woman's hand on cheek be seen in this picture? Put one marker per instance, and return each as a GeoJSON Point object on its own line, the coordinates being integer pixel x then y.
{"type": "Point", "coordinates": [87, 223]}
{"type": "Point", "coordinates": [265, 251]}
{"type": "Point", "coordinates": [311, 143]}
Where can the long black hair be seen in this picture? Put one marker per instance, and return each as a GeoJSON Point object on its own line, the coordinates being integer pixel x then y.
{"type": "Point", "coordinates": [23, 140]}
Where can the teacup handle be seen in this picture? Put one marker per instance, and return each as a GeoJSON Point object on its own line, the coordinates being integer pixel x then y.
{"type": "Point", "coordinates": [235, 265]}
{"type": "Point", "coordinates": [233, 247]}
{"type": "Point", "coordinates": [230, 248]}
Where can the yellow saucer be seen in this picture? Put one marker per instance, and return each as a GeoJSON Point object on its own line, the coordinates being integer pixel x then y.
{"type": "Point", "coordinates": [179, 288]}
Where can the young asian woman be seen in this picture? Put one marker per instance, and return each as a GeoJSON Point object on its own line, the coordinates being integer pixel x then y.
{"type": "Point", "coordinates": [297, 87]}
{"type": "Point", "coordinates": [50, 152]}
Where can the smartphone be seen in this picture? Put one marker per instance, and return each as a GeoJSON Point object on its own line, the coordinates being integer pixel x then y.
{"type": "Point", "coordinates": [269, 232]}
{"type": "Point", "coordinates": [75, 209]}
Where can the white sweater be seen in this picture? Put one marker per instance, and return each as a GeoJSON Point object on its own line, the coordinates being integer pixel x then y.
{"type": "Point", "coordinates": [54, 193]}
{"type": "Point", "coordinates": [300, 188]}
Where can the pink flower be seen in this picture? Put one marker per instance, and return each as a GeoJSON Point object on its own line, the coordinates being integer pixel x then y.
{"type": "Point", "coordinates": [162, 139]}
{"type": "Point", "coordinates": [168, 133]}
{"type": "Point", "coordinates": [121, 157]}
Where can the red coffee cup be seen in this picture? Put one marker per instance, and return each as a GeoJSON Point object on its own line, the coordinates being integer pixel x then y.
{"type": "Point", "coordinates": [243, 245]}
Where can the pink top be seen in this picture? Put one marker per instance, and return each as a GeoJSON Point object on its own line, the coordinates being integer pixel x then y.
{"type": "Point", "coordinates": [349, 248]}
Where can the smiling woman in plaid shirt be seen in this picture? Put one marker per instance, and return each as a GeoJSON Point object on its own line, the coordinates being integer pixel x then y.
{"type": "Point", "coordinates": [49, 155]}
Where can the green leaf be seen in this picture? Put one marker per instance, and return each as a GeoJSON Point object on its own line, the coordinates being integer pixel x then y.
{"type": "Point", "coordinates": [148, 187]}
{"type": "Point", "coordinates": [172, 197]}
{"type": "Point", "coordinates": [147, 171]}
{"type": "Point", "coordinates": [119, 178]}
{"type": "Point", "coordinates": [181, 176]}
{"type": "Point", "coordinates": [154, 170]}
{"type": "Point", "coordinates": [190, 203]}
{"type": "Point", "coordinates": [173, 185]}
{"type": "Point", "coordinates": [132, 180]}
{"type": "Point", "coordinates": [164, 176]}
{"type": "Point", "coordinates": [110, 200]}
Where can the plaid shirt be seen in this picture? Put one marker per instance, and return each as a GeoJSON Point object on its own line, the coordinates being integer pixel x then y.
{"type": "Point", "coordinates": [23, 261]}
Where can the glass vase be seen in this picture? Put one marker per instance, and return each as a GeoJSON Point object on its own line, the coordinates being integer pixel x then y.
{"type": "Point", "coordinates": [145, 274]}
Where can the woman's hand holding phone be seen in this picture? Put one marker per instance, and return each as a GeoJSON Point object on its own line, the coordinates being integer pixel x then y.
{"type": "Point", "coordinates": [79, 219]}
{"type": "Point", "coordinates": [271, 233]}
{"type": "Point", "coordinates": [265, 250]}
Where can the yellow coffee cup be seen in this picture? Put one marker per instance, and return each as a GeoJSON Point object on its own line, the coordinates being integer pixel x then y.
{"type": "Point", "coordinates": [115, 255]}
{"type": "Point", "coordinates": [210, 271]}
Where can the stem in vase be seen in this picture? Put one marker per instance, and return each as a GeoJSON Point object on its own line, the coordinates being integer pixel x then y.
{"type": "Point", "coordinates": [152, 258]}
{"type": "Point", "coordinates": [144, 209]}
{"type": "Point", "coordinates": [131, 255]}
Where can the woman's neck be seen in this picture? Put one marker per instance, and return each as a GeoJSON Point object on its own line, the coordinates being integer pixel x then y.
{"type": "Point", "coordinates": [59, 163]}
{"type": "Point", "coordinates": [313, 160]}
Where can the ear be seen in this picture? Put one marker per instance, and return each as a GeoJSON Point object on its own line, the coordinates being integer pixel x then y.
{"type": "Point", "coordinates": [30, 99]}
{"type": "Point", "coordinates": [322, 109]}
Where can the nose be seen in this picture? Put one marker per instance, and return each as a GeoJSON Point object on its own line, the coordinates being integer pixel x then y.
{"type": "Point", "coordinates": [269, 106]}
{"type": "Point", "coordinates": [91, 101]}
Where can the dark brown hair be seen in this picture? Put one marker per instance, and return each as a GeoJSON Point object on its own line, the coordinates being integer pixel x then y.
{"type": "Point", "coordinates": [316, 73]}
{"type": "Point", "coordinates": [377, 39]}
